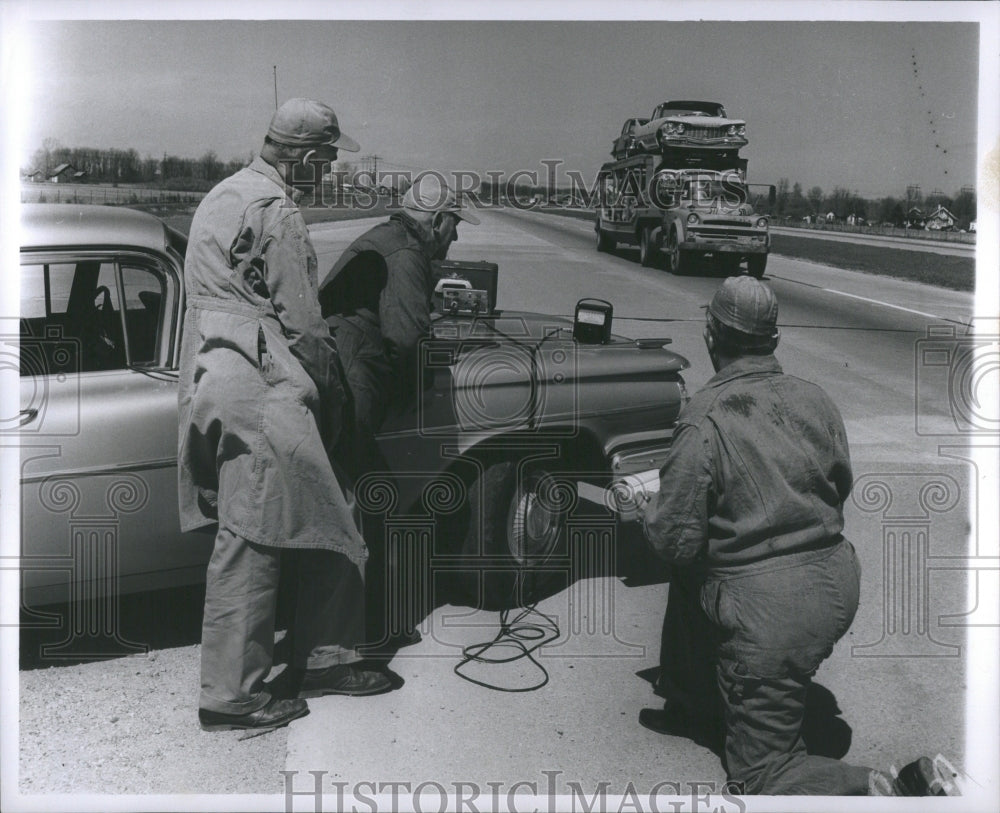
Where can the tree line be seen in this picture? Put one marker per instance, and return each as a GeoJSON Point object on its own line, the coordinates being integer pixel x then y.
{"type": "Point", "coordinates": [795, 204]}
{"type": "Point", "coordinates": [117, 166]}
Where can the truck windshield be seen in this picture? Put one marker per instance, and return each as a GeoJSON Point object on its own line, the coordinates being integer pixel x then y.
{"type": "Point", "coordinates": [707, 191]}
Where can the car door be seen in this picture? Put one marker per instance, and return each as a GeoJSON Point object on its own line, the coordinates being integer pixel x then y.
{"type": "Point", "coordinates": [98, 338]}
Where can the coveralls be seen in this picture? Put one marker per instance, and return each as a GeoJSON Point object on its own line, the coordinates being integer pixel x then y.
{"type": "Point", "coordinates": [384, 286]}
{"type": "Point", "coordinates": [259, 404]}
{"type": "Point", "coordinates": [751, 507]}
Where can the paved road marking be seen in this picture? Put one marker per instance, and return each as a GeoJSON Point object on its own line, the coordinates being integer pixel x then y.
{"type": "Point", "coordinates": [872, 301]}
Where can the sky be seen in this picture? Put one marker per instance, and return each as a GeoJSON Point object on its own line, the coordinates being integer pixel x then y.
{"type": "Point", "coordinates": [870, 106]}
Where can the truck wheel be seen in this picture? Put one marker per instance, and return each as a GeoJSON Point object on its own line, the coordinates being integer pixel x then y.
{"type": "Point", "coordinates": [516, 524]}
{"type": "Point", "coordinates": [604, 242]}
{"type": "Point", "coordinates": [676, 258]}
{"type": "Point", "coordinates": [756, 263]}
{"type": "Point", "coordinates": [648, 253]}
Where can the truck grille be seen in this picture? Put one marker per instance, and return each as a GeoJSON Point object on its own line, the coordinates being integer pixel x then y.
{"type": "Point", "coordinates": [733, 224]}
{"type": "Point", "coordinates": [733, 232]}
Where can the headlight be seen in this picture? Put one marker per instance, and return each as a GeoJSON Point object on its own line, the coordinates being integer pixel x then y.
{"type": "Point", "coordinates": [693, 218]}
{"type": "Point", "coordinates": [668, 129]}
{"type": "Point", "coordinates": [761, 222]}
{"type": "Point", "coordinates": [680, 129]}
{"type": "Point", "coordinates": [731, 130]}
{"type": "Point", "coordinates": [741, 130]}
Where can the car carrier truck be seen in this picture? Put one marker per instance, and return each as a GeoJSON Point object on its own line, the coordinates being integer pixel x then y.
{"type": "Point", "coordinates": [682, 214]}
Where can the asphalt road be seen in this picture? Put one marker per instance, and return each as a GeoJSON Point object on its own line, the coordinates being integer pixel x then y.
{"type": "Point", "coordinates": [899, 677]}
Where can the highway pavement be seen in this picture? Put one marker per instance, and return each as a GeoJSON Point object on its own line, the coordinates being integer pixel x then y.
{"type": "Point", "coordinates": [902, 678]}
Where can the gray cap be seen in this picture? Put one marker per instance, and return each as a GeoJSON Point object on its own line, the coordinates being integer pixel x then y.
{"type": "Point", "coordinates": [308, 123]}
{"type": "Point", "coordinates": [747, 305]}
{"type": "Point", "coordinates": [429, 194]}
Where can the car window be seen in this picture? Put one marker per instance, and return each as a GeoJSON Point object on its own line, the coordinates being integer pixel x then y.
{"type": "Point", "coordinates": [145, 298]}
{"type": "Point", "coordinates": [107, 315]}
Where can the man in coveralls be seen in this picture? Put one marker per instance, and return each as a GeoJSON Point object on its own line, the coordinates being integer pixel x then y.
{"type": "Point", "coordinates": [379, 309]}
{"type": "Point", "coordinates": [750, 510]}
{"type": "Point", "coordinates": [260, 406]}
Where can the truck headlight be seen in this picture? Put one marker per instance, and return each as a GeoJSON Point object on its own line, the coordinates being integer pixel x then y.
{"type": "Point", "coordinates": [693, 218]}
{"type": "Point", "coordinates": [761, 222]}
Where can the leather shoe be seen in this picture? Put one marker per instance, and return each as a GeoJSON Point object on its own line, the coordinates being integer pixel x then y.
{"type": "Point", "coordinates": [919, 778]}
{"type": "Point", "coordinates": [344, 678]}
{"type": "Point", "coordinates": [275, 714]}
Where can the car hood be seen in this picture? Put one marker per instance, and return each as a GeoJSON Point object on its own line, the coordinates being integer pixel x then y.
{"type": "Point", "coordinates": [621, 357]}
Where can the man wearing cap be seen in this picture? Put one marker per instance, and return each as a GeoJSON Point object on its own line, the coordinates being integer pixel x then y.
{"type": "Point", "coordinates": [750, 513]}
{"type": "Point", "coordinates": [260, 402]}
{"type": "Point", "coordinates": [378, 304]}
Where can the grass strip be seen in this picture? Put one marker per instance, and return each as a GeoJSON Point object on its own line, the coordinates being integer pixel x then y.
{"type": "Point", "coordinates": [942, 270]}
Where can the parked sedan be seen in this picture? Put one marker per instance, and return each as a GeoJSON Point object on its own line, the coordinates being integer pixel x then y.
{"type": "Point", "coordinates": [518, 412]}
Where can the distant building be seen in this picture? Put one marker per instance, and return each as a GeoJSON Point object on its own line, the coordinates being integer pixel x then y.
{"type": "Point", "coordinates": [940, 220]}
{"type": "Point", "coordinates": [915, 219]}
{"type": "Point", "coordinates": [59, 174]}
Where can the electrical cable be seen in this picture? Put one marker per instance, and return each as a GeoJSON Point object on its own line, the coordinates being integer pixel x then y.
{"type": "Point", "coordinates": [512, 634]}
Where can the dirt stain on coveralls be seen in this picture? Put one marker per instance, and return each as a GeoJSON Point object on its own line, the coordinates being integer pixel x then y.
{"type": "Point", "coordinates": [741, 403]}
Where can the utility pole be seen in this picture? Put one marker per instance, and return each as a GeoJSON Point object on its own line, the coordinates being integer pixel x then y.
{"type": "Point", "coordinates": [371, 162]}
{"type": "Point", "coordinates": [275, 87]}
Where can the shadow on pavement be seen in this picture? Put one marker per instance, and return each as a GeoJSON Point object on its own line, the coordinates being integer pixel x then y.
{"type": "Point", "coordinates": [67, 634]}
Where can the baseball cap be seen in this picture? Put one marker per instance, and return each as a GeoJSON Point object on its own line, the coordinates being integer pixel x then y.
{"type": "Point", "coordinates": [429, 194]}
{"type": "Point", "coordinates": [308, 123]}
{"type": "Point", "coordinates": [746, 304]}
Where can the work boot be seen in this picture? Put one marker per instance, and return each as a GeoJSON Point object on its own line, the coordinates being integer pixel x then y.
{"type": "Point", "coordinates": [345, 678]}
{"type": "Point", "coordinates": [275, 714]}
{"type": "Point", "coordinates": [918, 778]}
